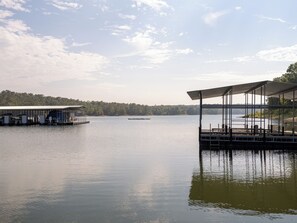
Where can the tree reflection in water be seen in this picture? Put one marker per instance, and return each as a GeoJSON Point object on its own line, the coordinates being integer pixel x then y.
{"type": "Point", "coordinates": [249, 182]}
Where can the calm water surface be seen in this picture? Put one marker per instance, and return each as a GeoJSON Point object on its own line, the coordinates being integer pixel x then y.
{"type": "Point", "coordinates": [115, 170]}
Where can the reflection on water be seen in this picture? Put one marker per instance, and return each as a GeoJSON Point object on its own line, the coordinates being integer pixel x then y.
{"type": "Point", "coordinates": [112, 170]}
{"type": "Point", "coordinates": [116, 170]}
{"type": "Point", "coordinates": [246, 182]}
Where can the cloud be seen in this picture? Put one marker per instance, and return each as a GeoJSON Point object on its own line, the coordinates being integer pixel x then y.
{"type": "Point", "coordinates": [228, 77]}
{"type": "Point", "coordinates": [219, 76]}
{"type": "Point", "coordinates": [219, 61]}
{"type": "Point", "coordinates": [140, 40]}
{"type": "Point", "coordinates": [271, 19]}
{"type": "Point", "coordinates": [120, 30]}
{"type": "Point", "coordinates": [47, 13]}
{"type": "Point", "coordinates": [146, 46]}
{"type": "Point", "coordinates": [235, 59]}
{"type": "Point", "coordinates": [16, 26]}
{"type": "Point", "coordinates": [156, 5]}
{"type": "Point", "coordinates": [123, 16]}
{"type": "Point", "coordinates": [153, 51]}
{"type": "Point", "coordinates": [102, 5]}
{"type": "Point", "coordinates": [123, 27]}
{"type": "Point", "coordinates": [75, 44]}
{"type": "Point", "coordinates": [184, 51]}
{"type": "Point", "coordinates": [212, 17]}
{"type": "Point", "coordinates": [30, 60]}
{"type": "Point", "coordinates": [238, 8]}
{"type": "Point", "coordinates": [243, 59]}
{"type": "Point", "coordinates": [17, 5]}
{"type": "Point", "coordinates": [278, 54]}
{"type": "Point", "coordinates": [65, 5]}
{"type": "Point", "coordinates": [5, 14]}
{"type": "Point", "coordinates": [157, 55]}
{"type": "Point", "coordinates": [281, 54]}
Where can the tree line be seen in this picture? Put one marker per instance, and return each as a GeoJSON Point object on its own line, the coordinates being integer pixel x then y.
{"type": "Point", "coordinates": [95, 108]}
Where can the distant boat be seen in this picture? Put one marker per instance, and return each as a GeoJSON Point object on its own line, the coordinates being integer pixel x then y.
{"type": "Point", "coordinates": [139, 118]}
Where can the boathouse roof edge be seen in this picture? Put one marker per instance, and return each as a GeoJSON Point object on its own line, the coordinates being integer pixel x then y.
{"type": "Point", "coordinates": [54, 107]}
{"type": "Point", "coordinates": [272, 88]}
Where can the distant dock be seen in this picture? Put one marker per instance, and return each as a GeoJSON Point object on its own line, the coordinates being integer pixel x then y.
{"type": "Point", "coordinates": [139, 119]}
{"type": "Point", "coordinates": [41, 115]}
{"type": "Point", "coordinates": [270, 130]}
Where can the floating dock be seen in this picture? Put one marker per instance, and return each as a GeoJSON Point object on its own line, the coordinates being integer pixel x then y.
{"type": "Point", "coordinates": [269, 116]}
{"type": "Point", "coordinates": [41, 115]}
{"type": "Point", "coordinates": [139, 119]}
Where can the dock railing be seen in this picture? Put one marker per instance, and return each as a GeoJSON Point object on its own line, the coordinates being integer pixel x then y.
{"type": "Point", "coordinates": [217, 136]}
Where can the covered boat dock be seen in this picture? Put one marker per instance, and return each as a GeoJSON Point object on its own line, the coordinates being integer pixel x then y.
{"type": "Point", "coordinates": [41, 115]}
{"type": "Point", "coordinates": [268, 116]}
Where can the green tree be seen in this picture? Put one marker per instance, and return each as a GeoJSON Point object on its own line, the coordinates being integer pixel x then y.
{"type": "Point", "coordinates": [290, 75]}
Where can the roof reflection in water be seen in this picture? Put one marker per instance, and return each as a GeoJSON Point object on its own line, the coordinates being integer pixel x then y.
{"type": "Point", "coordinates": [257, 182]}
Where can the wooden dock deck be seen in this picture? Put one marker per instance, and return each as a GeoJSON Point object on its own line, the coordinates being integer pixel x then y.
{"type": "Point", "coordinates": [246, 139]}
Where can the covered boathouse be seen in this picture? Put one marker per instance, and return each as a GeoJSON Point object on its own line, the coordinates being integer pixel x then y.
{"type": "Point", "coordinates": [41, 115]}
{"type": "Point", "coordinates": [268, 119]}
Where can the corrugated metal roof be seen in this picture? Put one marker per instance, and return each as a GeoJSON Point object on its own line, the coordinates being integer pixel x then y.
{"type": "Point", "coordinates": [272, 89]}
{"type": "Point", "coordinates": [54, 107]}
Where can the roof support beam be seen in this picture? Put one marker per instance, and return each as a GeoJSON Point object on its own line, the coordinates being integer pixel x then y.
{"type": "Point", "coordinates": [256, 87]}
{"type": "Point", "coordinates": [227, 91]}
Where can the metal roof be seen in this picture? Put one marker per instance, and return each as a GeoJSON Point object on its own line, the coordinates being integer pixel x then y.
{"type": "Point", "coordinates": [61, 107]}
{"type": "Point", "coordinates": [272, 89]}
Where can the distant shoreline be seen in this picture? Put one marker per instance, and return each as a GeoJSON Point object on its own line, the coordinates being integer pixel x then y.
{"type": "Point", "coordinates": [100, 108]}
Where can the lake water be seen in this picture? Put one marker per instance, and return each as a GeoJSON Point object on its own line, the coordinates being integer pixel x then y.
{"type": "Point", "coordinates": [120, 170]}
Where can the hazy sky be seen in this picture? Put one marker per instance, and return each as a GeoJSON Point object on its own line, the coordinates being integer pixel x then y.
{"type": "Point", "coordinates": [142, 51]}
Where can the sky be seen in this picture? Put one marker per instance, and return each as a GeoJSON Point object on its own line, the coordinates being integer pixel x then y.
{"type": "Point", "coordinates": [142, 51]}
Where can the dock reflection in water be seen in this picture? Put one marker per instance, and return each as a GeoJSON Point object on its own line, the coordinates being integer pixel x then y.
{"type": "Point", "coordinates": [246, 182]}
